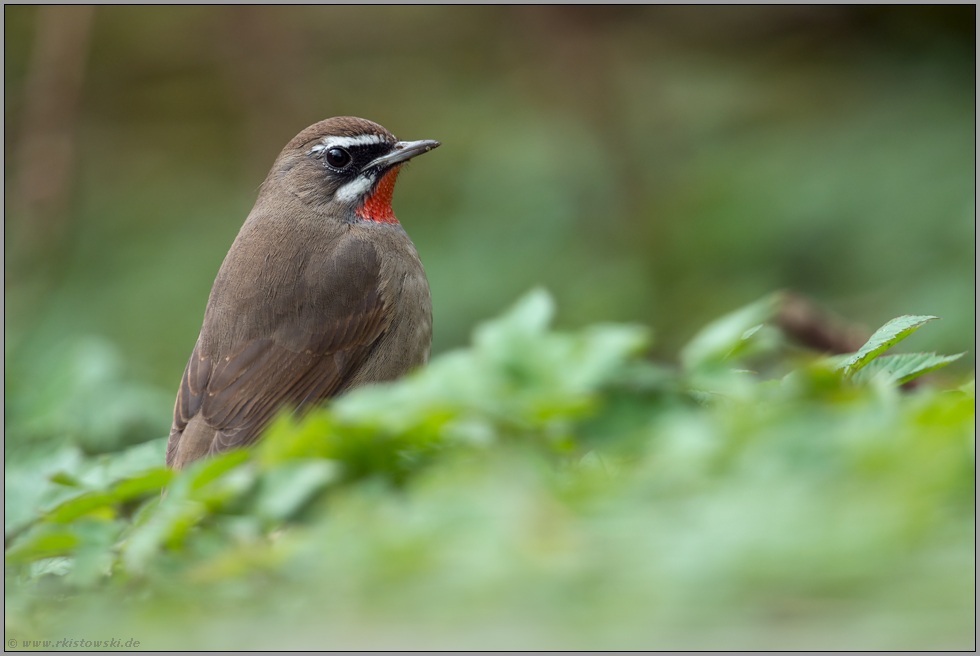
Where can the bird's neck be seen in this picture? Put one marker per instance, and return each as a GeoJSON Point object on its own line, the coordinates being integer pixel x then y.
{"type": "Point", "coordinates": [377, 206]}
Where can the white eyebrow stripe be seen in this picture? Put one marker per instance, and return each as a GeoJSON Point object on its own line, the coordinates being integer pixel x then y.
{"type": "Point", "coordinates": [355, 189]}
{"type": "Point", "coordinates": [347, 142]}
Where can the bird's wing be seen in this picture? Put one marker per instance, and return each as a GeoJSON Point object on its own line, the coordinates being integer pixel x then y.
{"type": "Point", "coordinates": [237, 393]}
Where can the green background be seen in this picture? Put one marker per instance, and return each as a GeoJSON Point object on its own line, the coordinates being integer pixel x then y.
{"type": "Point", "coordinates": [656, 165]}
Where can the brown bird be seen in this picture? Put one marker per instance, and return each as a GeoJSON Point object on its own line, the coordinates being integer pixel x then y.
{"type": "Point", "coordinates": [321, 291]}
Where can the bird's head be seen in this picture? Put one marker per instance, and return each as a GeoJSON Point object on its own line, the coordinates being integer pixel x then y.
{"type": "Point", "coordinates": [346, 167]}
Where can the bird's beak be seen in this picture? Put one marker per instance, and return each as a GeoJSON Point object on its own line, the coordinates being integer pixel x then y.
{"type": "Point", "coordinates": [404, 151]}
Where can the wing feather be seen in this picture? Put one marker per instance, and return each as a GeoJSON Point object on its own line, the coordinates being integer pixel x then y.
{"type": "Point", "coordinates": [238, 390]}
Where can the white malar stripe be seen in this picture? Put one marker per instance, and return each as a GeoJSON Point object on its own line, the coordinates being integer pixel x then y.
{"type": "Point", "coordinates": [347, 142]}
{"type": "Point", "coordinates": [355, 189]}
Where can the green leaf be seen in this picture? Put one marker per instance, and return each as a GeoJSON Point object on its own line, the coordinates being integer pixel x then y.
{"type": "Point", "coordinates": [727, 337]}
{"type": "Point", "coordinates": [883, 339]}
{"type": "Point", "coordinates": [57, 566]}
{"type": "Point", "coordinates": [94, 555]}
{"type": "Point", "coordinates": [206, 470]}
{"type": "Point", "coordinates": [64, 478]}
{"type": "Point", "coordinates": [899, 369]}
{"type": "Point", "coordinates": [43, 541]}
{"type": "Point", "coordinates": [225, 489]}
{"type": "Point", "coordinates": [531, 315]}
{"type": "Point", "coordinates": [289, 438]}
{"type": "Point", "coordinates": [82, 505]}
{"type": "Point", "coordinates": [28, 489]}
{"type": "Point", "coordinates": [167, 526]}
{"type": "Point", "coordinates": [970, 388]}
{"type": "Point", "coordinates": [151, 481]}
{"type": "Point", "coordinates": [286, 488]}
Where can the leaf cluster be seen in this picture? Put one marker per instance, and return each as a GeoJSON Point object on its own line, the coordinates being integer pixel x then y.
{"type": "Point", "coordinates": [557, 484]}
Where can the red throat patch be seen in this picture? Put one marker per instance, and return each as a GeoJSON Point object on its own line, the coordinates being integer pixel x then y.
{"type": "Point", "coordinates": [377, 207]}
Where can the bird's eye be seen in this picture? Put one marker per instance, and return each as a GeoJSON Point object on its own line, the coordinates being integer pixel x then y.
{"type": "Point", "coordinates": [338, 158]}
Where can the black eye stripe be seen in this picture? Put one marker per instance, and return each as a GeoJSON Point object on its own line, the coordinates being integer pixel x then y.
{"type": "Point", "coordinates": [362, 154]}
{"type": "Point", "coordinates": [369, 151]}
{"type": "Point", "coordinates": [358, 156]}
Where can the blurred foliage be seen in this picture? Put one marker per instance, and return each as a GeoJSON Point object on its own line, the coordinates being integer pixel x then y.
{"type": "Point", "coordinates": [648, 164]}
{"type": "Point", "coordinates": [78, 391]}
{"type": "Point", "coordinates": [538, 489]}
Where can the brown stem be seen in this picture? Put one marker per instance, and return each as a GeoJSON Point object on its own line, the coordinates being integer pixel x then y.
{"type": "Point", "coordinates": [47, 142]}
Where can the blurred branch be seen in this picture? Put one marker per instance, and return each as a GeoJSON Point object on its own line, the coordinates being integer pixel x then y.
{"type": "Point", "coordinates": [817, 328]}
{"type": "Point", "coordinates": [46, 150]}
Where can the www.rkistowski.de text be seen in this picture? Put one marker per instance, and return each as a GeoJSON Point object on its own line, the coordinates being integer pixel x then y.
{"type": "Point", "coordinates": [67, 643]}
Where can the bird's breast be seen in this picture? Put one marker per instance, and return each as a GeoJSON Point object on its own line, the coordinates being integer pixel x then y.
{"type": "Point", "coordinates": [404, 288]}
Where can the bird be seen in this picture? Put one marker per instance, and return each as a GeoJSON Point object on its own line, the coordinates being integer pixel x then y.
{"type": "Point", "coordinates": [321, 291]}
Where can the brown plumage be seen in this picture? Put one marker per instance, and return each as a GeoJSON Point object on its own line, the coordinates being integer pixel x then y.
{"type": "Point", "coordinates": [321, 291]}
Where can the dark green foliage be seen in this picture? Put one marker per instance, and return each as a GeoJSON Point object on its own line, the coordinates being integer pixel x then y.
{"type": "Point", "coordinates": [538, 489]}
